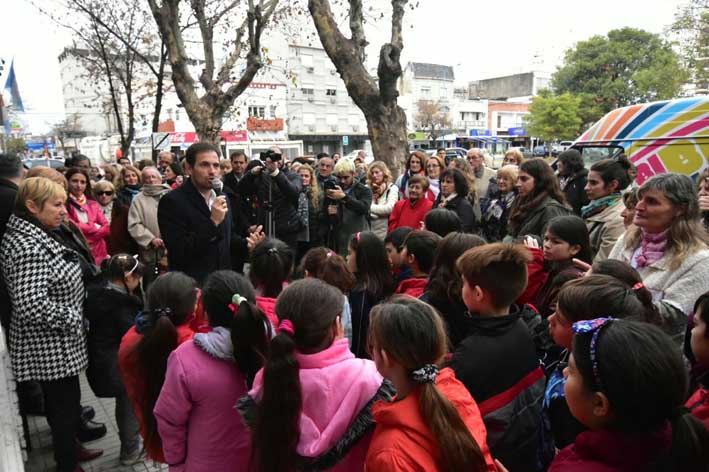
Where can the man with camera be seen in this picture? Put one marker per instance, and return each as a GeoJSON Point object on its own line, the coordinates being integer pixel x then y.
{"type": "Point", "coordinates": [276, 191]}
{"type": "Point", "coordinates": [195, 219]}
{"type": "Point", "coordinates": [348, 203]}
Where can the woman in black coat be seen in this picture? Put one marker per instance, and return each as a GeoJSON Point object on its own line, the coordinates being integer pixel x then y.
{"type": "Point", "coordinates": [454, 190]}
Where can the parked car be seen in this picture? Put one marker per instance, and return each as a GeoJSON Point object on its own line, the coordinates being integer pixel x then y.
{"type": "Point", "coordinates": [451, 153]}
{"type": "Point", "coordinates": [526, 152]}
{"type": "Point", "coordinates": [565, 145]}
{"type": "Point", "coordinates": [53, 163]}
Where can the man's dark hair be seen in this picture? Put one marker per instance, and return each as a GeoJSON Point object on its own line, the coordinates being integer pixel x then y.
{"type": "Point", "coordinates": [236, 154]}
{"type": "Point", "coordinates": [572, 159]}
{"type": "Point", "coordinates": [10, 166]}
{"type": "Point", "coordinates": [440, 149]}
{"type": "Point", "coordinates": [322, 154]}
{"type": "Point", "coordinates": [198, 148]}
{"type": "Point", "coordinates": [422, 245]}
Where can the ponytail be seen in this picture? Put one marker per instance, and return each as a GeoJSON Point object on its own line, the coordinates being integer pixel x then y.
{"type": "Point", "coordinates": [271, 266]}
{"type": "Point", "coordinates": [690, 442]}
{"type": "Point", "coordinates": [459, 450]}
{"type": "Point", "coordinates": [250, 336]}
{"type": "Point", "coordinates": [278, 419]}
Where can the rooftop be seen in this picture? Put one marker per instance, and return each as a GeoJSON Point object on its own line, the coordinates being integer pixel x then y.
{"type": "Point", "coordinates": [432, 71]}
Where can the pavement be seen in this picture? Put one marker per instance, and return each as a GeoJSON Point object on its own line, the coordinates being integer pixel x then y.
{"type": "Point", "coordinates": [41, 458]}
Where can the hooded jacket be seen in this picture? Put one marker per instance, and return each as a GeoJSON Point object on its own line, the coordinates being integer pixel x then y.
{"type": "Point", "coordinates": [498, 364]}
{"type": "Point", "coordinates": [336, 423]}
{"type": "Point", "coordinates": [403, 441]}
{"type": "Point", "coordinates": [201, 431]}
{"type": "Point", "coordinates": [414, 286]}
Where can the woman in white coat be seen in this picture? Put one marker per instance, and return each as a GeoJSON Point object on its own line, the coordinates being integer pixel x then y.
{"type": "Point", "coordinates": [384, 196]}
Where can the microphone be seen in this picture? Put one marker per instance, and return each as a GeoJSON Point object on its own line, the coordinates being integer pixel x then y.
{"type": "Point", "coordinates": [217, 186]}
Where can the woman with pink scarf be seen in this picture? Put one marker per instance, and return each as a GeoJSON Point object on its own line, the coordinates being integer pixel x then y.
{"type": "Point", "coordinates": [667, 245]}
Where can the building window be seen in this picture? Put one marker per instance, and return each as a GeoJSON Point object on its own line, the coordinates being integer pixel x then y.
{"type": "Point", "coordinates": [499, 121]}
{"type": "Point", "coordinates": [426, 92]}
{"type": "Point", "coordinates": [257, 112]}
{"type": "Point", "coordinates": [331, 92]}
{"type": "Point", "coordinates": [308, 92]}
{"type": "Point", "coordinates": [273, 111]}
{"type": "Point", "coordinates": [444, 92]}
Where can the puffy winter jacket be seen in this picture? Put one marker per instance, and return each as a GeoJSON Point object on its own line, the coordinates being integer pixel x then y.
{"type": "Point", "coordinates": [403, 441]}
{"type": "Point", "coordinates": [413, 287]}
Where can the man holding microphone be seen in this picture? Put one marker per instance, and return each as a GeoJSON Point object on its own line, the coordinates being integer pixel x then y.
{"type": "Point", "coordinates": [195, 218]}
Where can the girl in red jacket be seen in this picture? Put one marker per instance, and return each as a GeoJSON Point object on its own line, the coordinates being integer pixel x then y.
{"type": "Point", "coordinates": [697, 350]}
{"type": "Point", "coordinates": [142, 356]}
{"type": "Point", "coordinates": [626, 383]}
{"type": "Point", "coordinates": [433, 424]}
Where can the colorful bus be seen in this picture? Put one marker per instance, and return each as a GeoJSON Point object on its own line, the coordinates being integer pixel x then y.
{"type": "Point", "coordinates": [658, 137]}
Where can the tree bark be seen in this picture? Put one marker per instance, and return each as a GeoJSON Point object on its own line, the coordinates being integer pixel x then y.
{"type": "Point", "coordinates": [386, 120]}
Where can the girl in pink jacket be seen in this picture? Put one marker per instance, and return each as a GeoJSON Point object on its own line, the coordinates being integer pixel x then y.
{"type": "Point", "coordinates": [310, 406]}
{"type": "Point", "coordinates": [87, 213]}
{"type": "Point", "coordinates": [198, 424]}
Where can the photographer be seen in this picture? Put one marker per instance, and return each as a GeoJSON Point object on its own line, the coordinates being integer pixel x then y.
{"type": "Point", "coordinates": [276, 191]}
{"type": "Point", "coordinates": [349, 202]}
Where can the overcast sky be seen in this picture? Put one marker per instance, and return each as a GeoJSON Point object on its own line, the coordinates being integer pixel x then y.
{"type": "Point", "coordinates": [479, 38]}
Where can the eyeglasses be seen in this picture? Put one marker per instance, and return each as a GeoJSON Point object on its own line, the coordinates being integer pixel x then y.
{"type": "Point", "coordinates": [106, 193]}
{"type": "Point", "coordinates": [432, 165]}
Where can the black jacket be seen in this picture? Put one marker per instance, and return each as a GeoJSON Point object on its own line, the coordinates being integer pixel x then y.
{"type": "Point", "coordinates": [361, 303]}
{"type": "Point", "coordinates": [537, 219]}
{"type": "Point", "coordinates": [194, 244]}
{"type": "Point", "coordinates": [462, 207]}
{"type": "Point", "coordinates": [497, 362]}
{"type": "Point", "coordinates": [284, 200]}
{"type": "Point", "coordinates": [8, 191]}
{"type": "Point", "coordinates": [111, 313]}
{"type": "Point", "coordinates": [574, 191]}
{"type": "Point", "coordinates": [353, 217]}
{"type": "Point", "coordinates": [453, 313]}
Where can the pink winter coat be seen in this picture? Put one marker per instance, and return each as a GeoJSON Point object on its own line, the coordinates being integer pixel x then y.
{"type": "Point", "coordinates": [336, 387]}
{"type": "Point", "coordinates": [96, 229]}
{"type": "Point", "coordinates": [200, 428]}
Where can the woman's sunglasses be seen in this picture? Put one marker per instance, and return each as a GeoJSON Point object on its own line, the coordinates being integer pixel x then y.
{"type": "Point", "coordinates": [107, 193]}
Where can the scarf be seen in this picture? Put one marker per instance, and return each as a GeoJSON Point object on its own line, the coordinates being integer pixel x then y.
{"type": "Point", "coordinates": [600, 204]}
{"type": "Point", "coordinates": [652, 248]}
{"type": "Point", "coordinates": [446, 200]}
{"type": "Point", "coordinates": [499, 205]}
{"type": "Point", "coordinates": [155, 190]}
{"type": "Point", "coordinates": [216, 343]}
{"type": "Point", "coordinates": [80, 201]}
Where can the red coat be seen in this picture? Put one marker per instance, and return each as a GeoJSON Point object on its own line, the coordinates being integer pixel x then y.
{"type": "Point", "coordinates": [96, 229]}
{"type": "Point", "coordinates": [414, 286]}
{"type": "Point", "coordinates": [402, 441]}
{"type": "Point", "coordinates": [698, 405]}
{"type": "Point", "coordinates": [406, 214]}
{"type": "Point", "coordinates": [134, 384]}
{"type": "Point", "coordinates": [536, 277]}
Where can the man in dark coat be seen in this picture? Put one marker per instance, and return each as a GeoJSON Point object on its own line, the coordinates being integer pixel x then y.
{"type": "Point", "coordinates": [572, 179]}
{"type": "Point", "coordinates": [11, 172]}
{"type": "Point", "coordinates": [195, 222]}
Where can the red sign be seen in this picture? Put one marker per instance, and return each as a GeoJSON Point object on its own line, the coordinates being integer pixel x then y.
{"type": "Point", "coordinates": [191, 137]}
{"type": "Point", "coordinates": [258, 124]}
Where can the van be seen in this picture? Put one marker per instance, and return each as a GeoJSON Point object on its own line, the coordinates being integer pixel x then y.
{"type": "Point", "coordinates": [657, 137]}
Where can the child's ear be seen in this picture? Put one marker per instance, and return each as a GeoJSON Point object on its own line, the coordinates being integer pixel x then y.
{"type": "Point", "coordinates": [601, 406]}
{"type": "Point", "coordinates": [386, 359]}
{"type": "Point", "coordinates": [575, 249]}
{"type": "Point", "coordinates": [478, 294]}
{"type": "Point", "coordinates": [410, 258]}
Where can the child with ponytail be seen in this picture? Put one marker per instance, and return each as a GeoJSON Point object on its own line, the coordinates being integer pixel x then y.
{"type": "Point", "coordinates": [626, 383]}
{"type": "Point", "coordinates": [144, 350]}
{"type": "Point", "coordinates": [310, 405]}
{"type": "Point", "coordinates": [433, 424]}
{"type": "Point", "coordinates": [271, 267]}
{"type": "Point", "coordinates": [199, 426]}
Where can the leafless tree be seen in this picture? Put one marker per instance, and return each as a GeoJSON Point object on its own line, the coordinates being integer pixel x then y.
{"type": "Point", "coordinates": [432, 116]}
{"type": "Point", "coordinates": [69, 128]}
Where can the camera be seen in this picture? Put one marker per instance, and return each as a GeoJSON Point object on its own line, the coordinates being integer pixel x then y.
{"type": "Point", "coordinates": [274, 156]}
{"type": "Point", "coordinates": [329, 184]}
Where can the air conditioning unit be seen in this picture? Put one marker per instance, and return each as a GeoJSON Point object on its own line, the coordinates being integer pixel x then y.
{"type": "Point", "coordinates": [333, 128]}
{"type": "Point", "coordinates": [311, 127]}
{"type": "Point", "coordinates": [310, 70]}
{"type": "Point", "coordinates": [355, 128]}
{"type": "Point", "coordinates": [311, 99]}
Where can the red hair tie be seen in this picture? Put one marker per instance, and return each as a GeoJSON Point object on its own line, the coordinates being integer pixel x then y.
{"type": "Point", "coordinates": [638, 286]}
{"type": "Point", "coordinates": [286, 326]}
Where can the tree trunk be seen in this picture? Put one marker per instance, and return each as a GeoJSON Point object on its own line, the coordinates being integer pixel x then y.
{"type": "Point", "coordinates": [387, 132]}
{"type": "Point", "coordinates": [208, 126]}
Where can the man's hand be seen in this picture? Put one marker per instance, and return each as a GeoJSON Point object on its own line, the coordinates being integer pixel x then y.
{"type": "Point", "coordinates": [703, 202]}
{"type": "Point", "coordinates": [337, 194]}
{"type": "Point", "coordinates": [219, 210]}
{"type": "Point", "coordinates": [256, 170]}
{"type": "Point", "coordinates": [531, 242]}
{"type": "Point", "coordinates": [255, 237]}
{"type": "Point", "coordinates": [332, 210]}
{"type": "Point", "coordinates": [271, 166]}
{"type": "Point", "coordinates": [157, 242]}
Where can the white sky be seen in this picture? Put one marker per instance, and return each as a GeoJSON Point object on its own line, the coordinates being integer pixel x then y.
{"type": "Point", "coordinates": [479, 38]}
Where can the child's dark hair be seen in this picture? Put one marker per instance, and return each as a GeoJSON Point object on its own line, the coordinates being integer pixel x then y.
{"type": "Point", "coordinates": [115, 268]}
{"type": "Point", "coordinates": [614, 169]}
{"type": "Point", "coordinates": [444, 279]}
{"type": "Point", "coordinates": [573, 230]}
{"type": "Point", "coordinates": [580, 299]}
{"type": "Point", "coordinates": [373, 271]}
{"type": "Point", "coordinates": [170, 302]}
{"type": "Point", "coordinates": [643, 376]}
{"type": "Point", "coordinates": [443, 221]}
{"type": "Point", "coordinates": [701, 310]}
{"type": "Point", "coordinates": [249, 327]}
{"type": "Point", "coordinates": [422, 245]}
{"type": "Point", "coordinates": [625, 273]}
{"type": "Point", "coordinates": [277, 421]}
{"type": "Point", "coordinates": [396, 238]}
{"type": "Point", "coordinates": [328, 266]}
{"type": "Point", "coordinates": [271, 266]}
{"type": "Point", "coordinates": [413, 334]}
{"type": "Point", "coordinates": [499, 268]}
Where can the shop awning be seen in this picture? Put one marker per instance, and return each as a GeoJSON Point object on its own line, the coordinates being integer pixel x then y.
{"type": "Point", "coordinates": [488, 139]}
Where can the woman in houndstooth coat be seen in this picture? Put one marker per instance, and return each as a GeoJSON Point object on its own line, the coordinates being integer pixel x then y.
{"type": "Point", "coordinates": [47, 331]}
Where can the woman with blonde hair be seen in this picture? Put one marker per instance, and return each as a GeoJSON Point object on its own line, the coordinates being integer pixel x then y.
{"type": "Point", "coordinates": [513, 157]}
{"type": "Point", "coordinates": [309, 202]}
{"type": "Point", "coordinates": [105, 193]}
{"type": "Point", "coordinates": [495, 216]}
{"type": "Point", "coordinates": [111, 172]}
{"type": "Point", "coordinates": [667, 244]}
{"type": "Point", "coordinates": [384, 196]}
{"type": "Point", "coordinates": [434, 166]}
{"type": "Point", "coordinates": [47, 336]}
{"type": "Point", "coordinates": [127, 188]}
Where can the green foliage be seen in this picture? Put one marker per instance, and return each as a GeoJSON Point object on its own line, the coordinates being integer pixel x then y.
{"type": "Point", "coordinates": [554, 117]}
{"type": "Point", "coordinates": [626, 67]}
{"type": "Point", "coordinates": [15, 145]}
{"type": "Point", "coordinates": [691, 28]}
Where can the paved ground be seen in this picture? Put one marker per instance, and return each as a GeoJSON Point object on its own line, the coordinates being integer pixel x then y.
{"type": "Point", "coordinates": [41, 457]}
